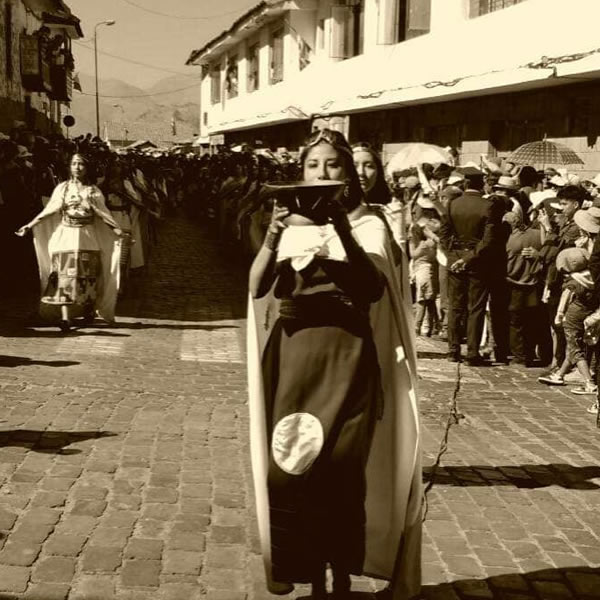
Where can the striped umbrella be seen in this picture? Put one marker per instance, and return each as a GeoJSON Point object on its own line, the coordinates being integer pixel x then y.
{"type": "Point", "coordinates": [543, 154]}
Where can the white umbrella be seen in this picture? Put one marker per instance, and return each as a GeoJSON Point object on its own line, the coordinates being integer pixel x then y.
{"type": "Point", "coordinates": [415, 154]}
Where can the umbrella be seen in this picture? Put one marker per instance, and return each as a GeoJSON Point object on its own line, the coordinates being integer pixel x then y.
{"type": "Point", "coordinates": [415, 154]}
{"type": "Point", "coordinates": [544, 153]}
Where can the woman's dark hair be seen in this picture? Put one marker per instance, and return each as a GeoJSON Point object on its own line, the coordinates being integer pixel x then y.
{"type": "Point", "coordinates": [339, 142]}
{"type": "Point", "coordinates": [528, 176]}
{"type": "Point", "coordinates": [89, 176]}
{"type": "Point", "coordinates": [380, 192]}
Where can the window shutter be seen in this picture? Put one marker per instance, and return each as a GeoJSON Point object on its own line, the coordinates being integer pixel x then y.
{"type": "Point", "coordinates": [339, 19]}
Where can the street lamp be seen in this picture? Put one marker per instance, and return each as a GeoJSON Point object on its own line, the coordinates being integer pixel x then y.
{"type": "Point", "coordinates": [107, 23]}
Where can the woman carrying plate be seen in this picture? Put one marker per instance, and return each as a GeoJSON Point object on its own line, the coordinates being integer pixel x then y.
{"type": "Point", "coordinates": [332, 374]}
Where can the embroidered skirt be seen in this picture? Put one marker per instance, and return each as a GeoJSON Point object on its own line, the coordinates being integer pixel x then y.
{"type": "Point", "coordinates": [75, 266]}
{"type": "Point", "coordinates": [322, 394]}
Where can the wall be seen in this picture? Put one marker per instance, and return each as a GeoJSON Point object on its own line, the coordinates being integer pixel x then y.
{"type": "Point", "coordinates": [493, 125]}
{"type": "Point", "coordinates": [485, 54]}
{"type": "Point", "coordinates": [11, 92]}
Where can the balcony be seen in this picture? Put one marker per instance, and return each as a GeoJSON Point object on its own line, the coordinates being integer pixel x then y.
{"type": "Point", "coordinates": [62, 83]}
{"type": "Point", "coordinates": [35, 70]}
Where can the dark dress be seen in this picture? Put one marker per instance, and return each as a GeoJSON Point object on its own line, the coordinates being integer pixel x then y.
{"type": "Point", "coordinates": [320, 371]}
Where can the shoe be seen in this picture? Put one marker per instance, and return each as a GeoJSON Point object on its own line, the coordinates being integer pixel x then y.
{"type": "Point", "coordinates": [476, 361]}
{"type": "Point", "coordinates": [589, 389]}
{"type": "Point", "coordinates": [552, 379]}
{"type": "Point", "coordinates": [454, 357]}
{"type": "Point", "coordinates": [503, 360]}
{"type": "Point", "coordinates": [593, 409]}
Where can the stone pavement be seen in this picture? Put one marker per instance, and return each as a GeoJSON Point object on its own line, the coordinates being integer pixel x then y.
{"type": "Point", "coordinates": [124, 469]}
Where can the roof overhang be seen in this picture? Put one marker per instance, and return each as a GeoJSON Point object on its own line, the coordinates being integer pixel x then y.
{"type": "Point", "coordinates": [55, 14]}
{"type": "Point", "coordinates": [70, 24]}
{"type": "Point", "coordinates": [245, 26]}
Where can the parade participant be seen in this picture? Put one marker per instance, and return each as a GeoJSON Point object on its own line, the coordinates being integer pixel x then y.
{"type": "Point", "coordinates": [122, 205]}
{"type": "Point", "coordinates": [78, 250]}
{"type": "Point", "coordinates": [334, 422]}
{"type": "Point", "coordinates": [370, 174]}
{"type": "Point", "coordinates": [471, 237]}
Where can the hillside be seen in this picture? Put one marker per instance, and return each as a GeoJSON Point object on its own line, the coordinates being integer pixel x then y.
{"type": "Point", "coordinates": [145, 113]}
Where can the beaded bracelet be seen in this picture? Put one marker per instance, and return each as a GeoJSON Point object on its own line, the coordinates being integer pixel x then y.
{"type": "Point", "coordinates": [272, 240]}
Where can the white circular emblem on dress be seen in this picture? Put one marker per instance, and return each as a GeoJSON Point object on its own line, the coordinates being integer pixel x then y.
{"type": "Point", "coordinates": [297, 441]}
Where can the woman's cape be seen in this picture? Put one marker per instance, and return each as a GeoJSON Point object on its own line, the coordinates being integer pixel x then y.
{"type": "Point", "coordinates": [110, 248]}
{"type": "Point", "coordinates": [394, 480]}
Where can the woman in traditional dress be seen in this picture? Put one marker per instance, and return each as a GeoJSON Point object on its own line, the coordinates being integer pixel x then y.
{"type": "Point", "coordinates": [124, 206]}
{"type": "Point", "coordinates": [77, 243]}
{"type": "Point", "coordinates": [371, 174]}
{"type": "Point", "coordinates": [334, 422]}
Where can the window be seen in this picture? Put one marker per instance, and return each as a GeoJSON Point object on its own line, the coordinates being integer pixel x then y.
{"type": "Point", "coordinates": [253, 67]}
{"type": "Point", "coordinates": [215, 84]}
{"type": "Point", "coordinates": [347, 21]}
{"type": "Point", "coordinates": [277, 56]}
{"type": "Point", "coordinates": [231, 76]}
{"type": "Point", "coordinates": [205, 118]}
{"type": "Point", "coordinates": [483, 7]}
{"type": "Point", "coordinates": [8, 36]}
{"type": "Point", "coordinates": [321, 34]}
{"type": "Point", "coordinates": [414, 19]}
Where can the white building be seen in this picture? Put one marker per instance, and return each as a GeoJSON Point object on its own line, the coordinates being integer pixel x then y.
{"type": "Point", "coordinates": [36, 62]}
{"type": "Point", "coordinates": [481, 75]}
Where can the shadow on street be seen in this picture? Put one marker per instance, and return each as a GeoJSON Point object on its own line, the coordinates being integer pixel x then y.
{"type": "Point", "coordinates": [520, 476]}
{"type": "Point", "coordinates": [49, 442]}
{"type": "Point", "coordinates": [580, 583]}
{"type": "Point", "coordinates": [22, 361]}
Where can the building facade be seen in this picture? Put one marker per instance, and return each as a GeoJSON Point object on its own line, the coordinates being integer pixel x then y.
{"type": "Point", "coordinates": [36, 62]}
{"type": "Point", "coordinates": [480, 75]}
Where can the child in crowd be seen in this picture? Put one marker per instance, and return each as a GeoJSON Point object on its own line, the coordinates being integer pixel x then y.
{"type": "Point", "coordinates": [576, 304]}
{"type": "Point", "coordinates": [423, 250]}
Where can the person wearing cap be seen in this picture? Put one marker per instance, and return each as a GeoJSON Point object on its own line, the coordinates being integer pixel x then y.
{"type": "Point", "coordinates": [557, 236]}
{"type": "Point", "coordinates": [576, 303]}
{"type": "Point", "coordinates": [470, 235]}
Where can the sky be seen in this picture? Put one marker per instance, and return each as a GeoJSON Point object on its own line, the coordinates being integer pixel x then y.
{"type": "Point", "coordinates": [163, 42]}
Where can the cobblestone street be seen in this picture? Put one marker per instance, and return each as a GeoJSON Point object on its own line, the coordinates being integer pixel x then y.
{"type": "Point", "coordinates": [124, 462]}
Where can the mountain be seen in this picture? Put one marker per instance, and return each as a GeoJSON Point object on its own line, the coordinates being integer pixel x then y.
{"type": "Point", "coordinates": [170, 105]}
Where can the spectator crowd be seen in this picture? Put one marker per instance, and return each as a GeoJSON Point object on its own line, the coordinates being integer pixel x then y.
{"type": "Point", "coordinates": [503, 256]}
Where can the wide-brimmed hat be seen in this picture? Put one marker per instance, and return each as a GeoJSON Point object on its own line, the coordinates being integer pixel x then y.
{"type": "Point", "coordinates": [596, 180]}
{"type": "Point", "coordinates": [455, 177]}
{"type": "Point", "coordinates": [506, 183]}
{"type": "Point", "coordinates": [572, 260]}
{"type": "Point", "coordinates": [588, 220]}
{"type": "Point", "coordinates": [470, 170]}
{"type": "Point", "coordinates": [536, 198]}
{"type": "Point", "coordinates": [558, 181]}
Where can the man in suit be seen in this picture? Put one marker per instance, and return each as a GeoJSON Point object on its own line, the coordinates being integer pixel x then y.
{"type": "Point", "coordinates": [471, 236]}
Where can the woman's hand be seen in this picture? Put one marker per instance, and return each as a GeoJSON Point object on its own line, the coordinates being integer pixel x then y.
{"type": "Point", "coordinates": [118, 232]}
{"type": "Point", "coordinates": [21, 232]}
{"type": "Point", "coordinates": [337, 213]}
{"type": "Point", "coordinates": [276, 226]}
